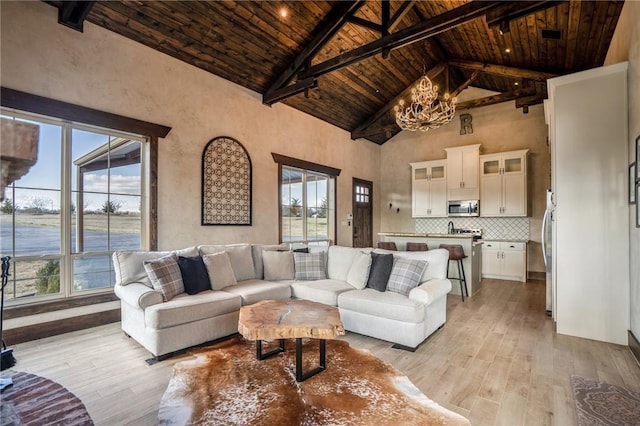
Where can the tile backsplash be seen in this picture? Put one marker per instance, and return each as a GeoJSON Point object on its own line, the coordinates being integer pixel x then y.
{"type": "Point", "coordinates": [498, 228]}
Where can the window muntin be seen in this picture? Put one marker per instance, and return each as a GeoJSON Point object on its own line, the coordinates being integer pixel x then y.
{"type": "Point", "coordinates": [307, 206]}
{"type": "Point", "coordinates": [71, 211]}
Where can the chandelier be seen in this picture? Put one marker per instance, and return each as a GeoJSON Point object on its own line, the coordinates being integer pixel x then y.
{"type": "Point", "coordinates": [426, 111]}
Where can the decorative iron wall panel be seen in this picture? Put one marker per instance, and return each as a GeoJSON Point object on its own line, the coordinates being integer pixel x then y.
{"type": "Point", "coordinates": [226, 183]}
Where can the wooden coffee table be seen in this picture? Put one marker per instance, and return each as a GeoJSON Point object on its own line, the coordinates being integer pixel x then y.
{"type": "Point", "coordinates": [290, 319]}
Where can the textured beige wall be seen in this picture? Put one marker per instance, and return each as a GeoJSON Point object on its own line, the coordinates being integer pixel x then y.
{"type": "Point", "coordinates": [100, 69]}
{"type": "Point", "coordinates": [625, 46]}
{"type": "Point", "coordinates": [497, 128]}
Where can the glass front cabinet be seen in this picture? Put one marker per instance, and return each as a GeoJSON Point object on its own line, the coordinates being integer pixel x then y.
{"type": "Point", "coordinates": [503, 184]}
{"type": "Point", "coordinates": [429, 188]}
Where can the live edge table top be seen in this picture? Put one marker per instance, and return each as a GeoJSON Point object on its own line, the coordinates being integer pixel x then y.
{"type": "Point", "coordinates": [287, 319]}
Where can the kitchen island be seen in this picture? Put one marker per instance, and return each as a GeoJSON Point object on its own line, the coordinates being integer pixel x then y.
{"type": "Point", "coordinates": [473, 249]}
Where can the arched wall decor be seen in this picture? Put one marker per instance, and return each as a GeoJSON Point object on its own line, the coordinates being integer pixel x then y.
{"type": "Point", "coordinates": [226, 183]}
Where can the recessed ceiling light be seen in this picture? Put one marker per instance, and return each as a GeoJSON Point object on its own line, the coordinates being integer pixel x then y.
{"type": "Point", "coordinates": [507, 50]}
{"type": "Point", "coordinates": [516, 83]}
{"type": "Point", "coordinates": [377, 90]}
{"type": "Point", "coordinates": [283, 12]}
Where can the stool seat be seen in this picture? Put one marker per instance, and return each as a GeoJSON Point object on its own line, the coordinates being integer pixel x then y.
{"type": "Point", "coordinates": [387, 245]}
{"type": "Point", "coordinates": [413, 246]}
{"type": "Point", "coordinates": [456, 253]}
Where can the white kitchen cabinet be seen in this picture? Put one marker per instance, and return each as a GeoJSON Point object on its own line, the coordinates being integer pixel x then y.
{"type": "Point", "coordinates": [503, 184]}
{"type": "Point", "coordinates": [462, 172]}
{"type": "Point", "coordinates": [504, 260]}
{"type": "Point", "coordinates": [429, 188]}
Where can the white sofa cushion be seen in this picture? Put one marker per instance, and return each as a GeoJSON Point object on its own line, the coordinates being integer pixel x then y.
{"type": "Point", "coordinates": [359, 271]}
{"type": "Point", "coordinates": [252, 291]}
{"type": "Point", "coordinates": [278, 265]}
{"type": "Point", "coordinates": [386, 304]}
{"type": "Point", "coordinates": [322, 291]}
{"type": "Point", "coordinates": [340, 261]}
{"type": "Point", "coordinates": [128, 267]}
{"type": "Point", "coordinates": [186, 308]}
{"type": "Point", "coordinates": [220, 271]}
{"type": "Point", "coordinates": [437, 259]}
{"type": "Point", "coordinates": [240, 257]}
{"type": "Point", "coordinates": [165, 275]}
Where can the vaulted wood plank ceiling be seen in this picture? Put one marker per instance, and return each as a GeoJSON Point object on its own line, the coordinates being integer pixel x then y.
{"type": "Point", "coordinates": [348, 63]}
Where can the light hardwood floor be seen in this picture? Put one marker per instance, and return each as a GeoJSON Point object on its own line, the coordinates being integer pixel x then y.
{"type": "Point", "coordinates": [496, 361]}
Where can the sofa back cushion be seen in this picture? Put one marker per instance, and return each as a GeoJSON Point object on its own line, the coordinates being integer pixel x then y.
{"type": "Point", "coordinates": [340, 260]}
{"type": "Point", "coordinates": [240, 256]}
{"type": "Point", "coordinates": [129, 269]}
{"type": "Point", "coordinates": [437, 259]}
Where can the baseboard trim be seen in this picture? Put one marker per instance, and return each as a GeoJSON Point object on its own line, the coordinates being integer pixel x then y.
{"type": "Point", "coordinates": [65, 325]}
{"type": "Point", "coordinates": [634, 345]}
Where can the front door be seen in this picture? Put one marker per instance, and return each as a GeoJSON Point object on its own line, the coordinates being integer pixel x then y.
{"type": "Point", "coordinates": [362, 213]}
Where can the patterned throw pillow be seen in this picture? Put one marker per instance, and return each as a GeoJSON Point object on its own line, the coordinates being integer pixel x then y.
{"type": "Point", "coordinates": [405, 275]}
{"type": "Point", "coordinates": [309, 266]}
{"type": "Point", "coordinates": [164, 274]}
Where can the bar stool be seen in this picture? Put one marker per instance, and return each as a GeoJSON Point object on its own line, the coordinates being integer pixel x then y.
{"type": "Point", "coordinates": [387, 245]}
{"type": "Point", "coordinates": [413, 246]}
{"type": "Point", "coordinates": [456, 252]}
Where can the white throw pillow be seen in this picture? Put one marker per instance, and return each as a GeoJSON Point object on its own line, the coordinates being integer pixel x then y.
{"type": "Point", "coordinates": [220, 271]}
{"type": "Point", "coordinates": [240, 257]}
{"type": "Point", "coordinates": [359, 271]}
{"type": "Point", "coordinates": [278, 265]}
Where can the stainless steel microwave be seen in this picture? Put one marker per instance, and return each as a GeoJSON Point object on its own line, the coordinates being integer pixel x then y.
{"type": "Point", "coordinates": [464, 208]}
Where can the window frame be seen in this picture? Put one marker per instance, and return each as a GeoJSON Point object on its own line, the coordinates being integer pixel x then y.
{"type": "Point", "coordinates": [34, 107]}
{"type": "Point", "coordinates": [306, 166]}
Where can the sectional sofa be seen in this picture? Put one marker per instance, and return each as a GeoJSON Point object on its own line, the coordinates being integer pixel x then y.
{"type": "Point", "coordinates": [399, 297]}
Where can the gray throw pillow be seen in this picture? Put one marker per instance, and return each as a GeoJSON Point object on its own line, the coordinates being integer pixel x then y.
{"type": "Point", "coordinates": [309, 266]}
{"type": "Point", "coordinates": [278, 265]}
{"type": "Point", "coordinates": [164, 274]}
{"type": "Point", "coordinates": [381, 265]}
{"type": "Point", "coordinates": [405, 275]}
{"type": "Point", "coordinates": [219, 269]}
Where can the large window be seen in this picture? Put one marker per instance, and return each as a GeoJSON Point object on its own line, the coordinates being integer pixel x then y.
{"type": "Point", "coordinates": [307, 202]}
{"type": "Point", "coordinates": [82, 199]}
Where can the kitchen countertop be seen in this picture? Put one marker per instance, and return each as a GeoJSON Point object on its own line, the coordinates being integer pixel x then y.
{"type": "Point", "coordinates": [504, 240]}
{"type": "Point", "coordinates": [424, 235]}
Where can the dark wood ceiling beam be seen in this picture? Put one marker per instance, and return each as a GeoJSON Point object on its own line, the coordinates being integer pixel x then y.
{"type": "Point", "coordinates": [73, 13]}
{"type": "Point", "coordinates": [501, 70]}
{"type": "Point", "coordinates": [290, 90]}
{"type": "Point", "coordinates": [365, 23]}
{"type": "Point", "coordinates": [509, 11]}
{"type": "Point", "coordinates": [328, 28]}
{"type": "Point", "coordinates": [455, 92]}
{"type": "Point", "coordinates": [361, 130]}
{"type": "Point", "coordinates": [400, 14]}
{"type": "Point", "coordinates": [496, 99]}
{"type": "Point", "coordinates": [418, 32]}
{"type": "Point", "coordinates": [536, 99]}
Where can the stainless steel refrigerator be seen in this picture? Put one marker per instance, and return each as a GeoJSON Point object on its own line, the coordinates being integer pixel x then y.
{"type": "Point", "coordinates": [547, 251]}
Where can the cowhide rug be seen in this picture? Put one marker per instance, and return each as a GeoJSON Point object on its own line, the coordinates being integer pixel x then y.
{"type": "Point", "coordinates": [227, 385]}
